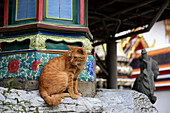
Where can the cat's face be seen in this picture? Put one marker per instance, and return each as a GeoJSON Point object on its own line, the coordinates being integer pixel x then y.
{"type": "Point", "coordinates": [75, 59]}
{"type": "Point", "coordinates": [77, 56]}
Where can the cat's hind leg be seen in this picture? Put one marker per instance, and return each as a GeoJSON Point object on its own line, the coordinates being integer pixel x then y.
{"type": "Point", "coordinates": [56, 83]}
{"type": "Point", "coordinates": [52, 100]}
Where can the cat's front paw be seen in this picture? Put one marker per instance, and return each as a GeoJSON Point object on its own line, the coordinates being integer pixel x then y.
{"type": "Point", "coordinates": [73, 96]}
{"type": "Point", "coordinates": [79, 94]}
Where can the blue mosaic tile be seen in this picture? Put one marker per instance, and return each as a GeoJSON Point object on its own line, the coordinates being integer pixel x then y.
{"type": "Point", "coordinates": [25, 70]}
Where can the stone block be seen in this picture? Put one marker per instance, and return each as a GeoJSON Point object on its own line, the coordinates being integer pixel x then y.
{"type": "Point", "coordinates": [105, 101]}
{"type": "Point", "coordinates": [88, 89]}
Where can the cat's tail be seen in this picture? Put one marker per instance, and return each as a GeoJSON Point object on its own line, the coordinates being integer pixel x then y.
{"type": "Point", "coordinates": [53, 100]}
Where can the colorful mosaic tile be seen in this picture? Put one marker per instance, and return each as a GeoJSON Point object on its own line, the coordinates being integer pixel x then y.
{"type": "Point", "coordinates": [29, 65]}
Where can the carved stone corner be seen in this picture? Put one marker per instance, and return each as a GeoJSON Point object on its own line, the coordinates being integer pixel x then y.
{"type": "Point", "coordinates": [37, 42]}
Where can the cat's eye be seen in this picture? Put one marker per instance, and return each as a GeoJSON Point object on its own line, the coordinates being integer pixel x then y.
{"type": "Point", "coordinates": [75, 57]}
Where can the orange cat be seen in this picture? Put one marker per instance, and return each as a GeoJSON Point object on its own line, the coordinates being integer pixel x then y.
{"type": "Point", "coordinates": [61, 73]}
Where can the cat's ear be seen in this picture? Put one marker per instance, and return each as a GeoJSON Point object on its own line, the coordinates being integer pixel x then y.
{"type": "Point", "coordinates": [70, 47]}
{"type": "Point", "coordinates": [80, 51]}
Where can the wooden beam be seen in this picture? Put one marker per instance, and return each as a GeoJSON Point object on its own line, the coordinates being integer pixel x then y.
{"type": "Point", "coordinates": [101, 65]}
{"type": "Point", "coordinates": [155, 18]}
{"type": "Point", "coordinates": [5, 12]}
{"type": "Point", "coordinates": [81, 12]}
{"type": "Point", "coordinates": [137, 5]}
{"type": "Point", "coordinates": [39, 13]}
{"type": "Point", "coordinates": [105, 28]}
{"type": "Point", "coordinates": [140, 4]}
{"type": "Point", "coordinates": [140, 14]}
{"type": "Point", "coordinates": [105, 5]}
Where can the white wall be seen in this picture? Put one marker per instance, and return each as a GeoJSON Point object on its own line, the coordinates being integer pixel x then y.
{"type": "Point", "coordinates": [156, 33]}
{"type": "Point", "coordinates": [163, 101]}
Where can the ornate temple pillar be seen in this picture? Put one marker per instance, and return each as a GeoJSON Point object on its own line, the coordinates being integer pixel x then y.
{"type": "Point", "coordinates": [36, 31]}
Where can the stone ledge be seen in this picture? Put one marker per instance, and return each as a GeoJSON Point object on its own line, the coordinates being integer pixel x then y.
{"type": "Point", "coordinates": [106, 101]}
{"type": "Point", "coordinates": [87, 88]}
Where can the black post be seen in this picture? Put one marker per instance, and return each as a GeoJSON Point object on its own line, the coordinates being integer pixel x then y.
{"type": "Point", "coordinates": [111, 62]}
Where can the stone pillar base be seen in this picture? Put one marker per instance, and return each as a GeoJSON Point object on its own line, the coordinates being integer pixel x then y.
{"type": "Point", "coordinates": [86, 88]}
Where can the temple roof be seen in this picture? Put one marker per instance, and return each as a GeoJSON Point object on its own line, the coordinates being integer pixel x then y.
{"type": "Point", "coordinates": [108, 17]}
{"type": "Point", "coordinates": [131, 44]}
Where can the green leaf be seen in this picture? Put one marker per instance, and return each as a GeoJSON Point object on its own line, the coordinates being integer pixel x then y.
{"type": "Point", "coordinates": [37, 111]}
{"type": "Point", "coordinates": [23, 107]}
{"type": "Point", "coordinates": [5, 110]}
{"type": "Point", "coordinates": [4, 93]}
{"type": "Point", "coordinates": [17, 100]}
{"type": "Point", "coordinates": [15, 110]}
{"type": "Point", "coordinates": [10, 107]}
{"type": "Point", "coordinates": [7, 103]}
{"type": "Point", "coordinates": [25, 101]}
{"type": "Point", "coordinates": [3, 102]}
{"type": "Point", "coordinates": [16, 86]}
{"type": "Point", "coordinates": [10, 81]}
{"type": "Point", "coordinates": [9, 89]}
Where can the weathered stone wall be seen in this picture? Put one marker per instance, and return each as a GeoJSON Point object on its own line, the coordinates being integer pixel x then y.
{"type": "Point", "coordinates": [105, 100]}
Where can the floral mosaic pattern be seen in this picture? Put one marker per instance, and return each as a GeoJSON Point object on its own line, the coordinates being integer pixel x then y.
{"type": "Point", "coordinates": [29, 65]}
{"type": "Point", "coordinates": [13, 66]}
